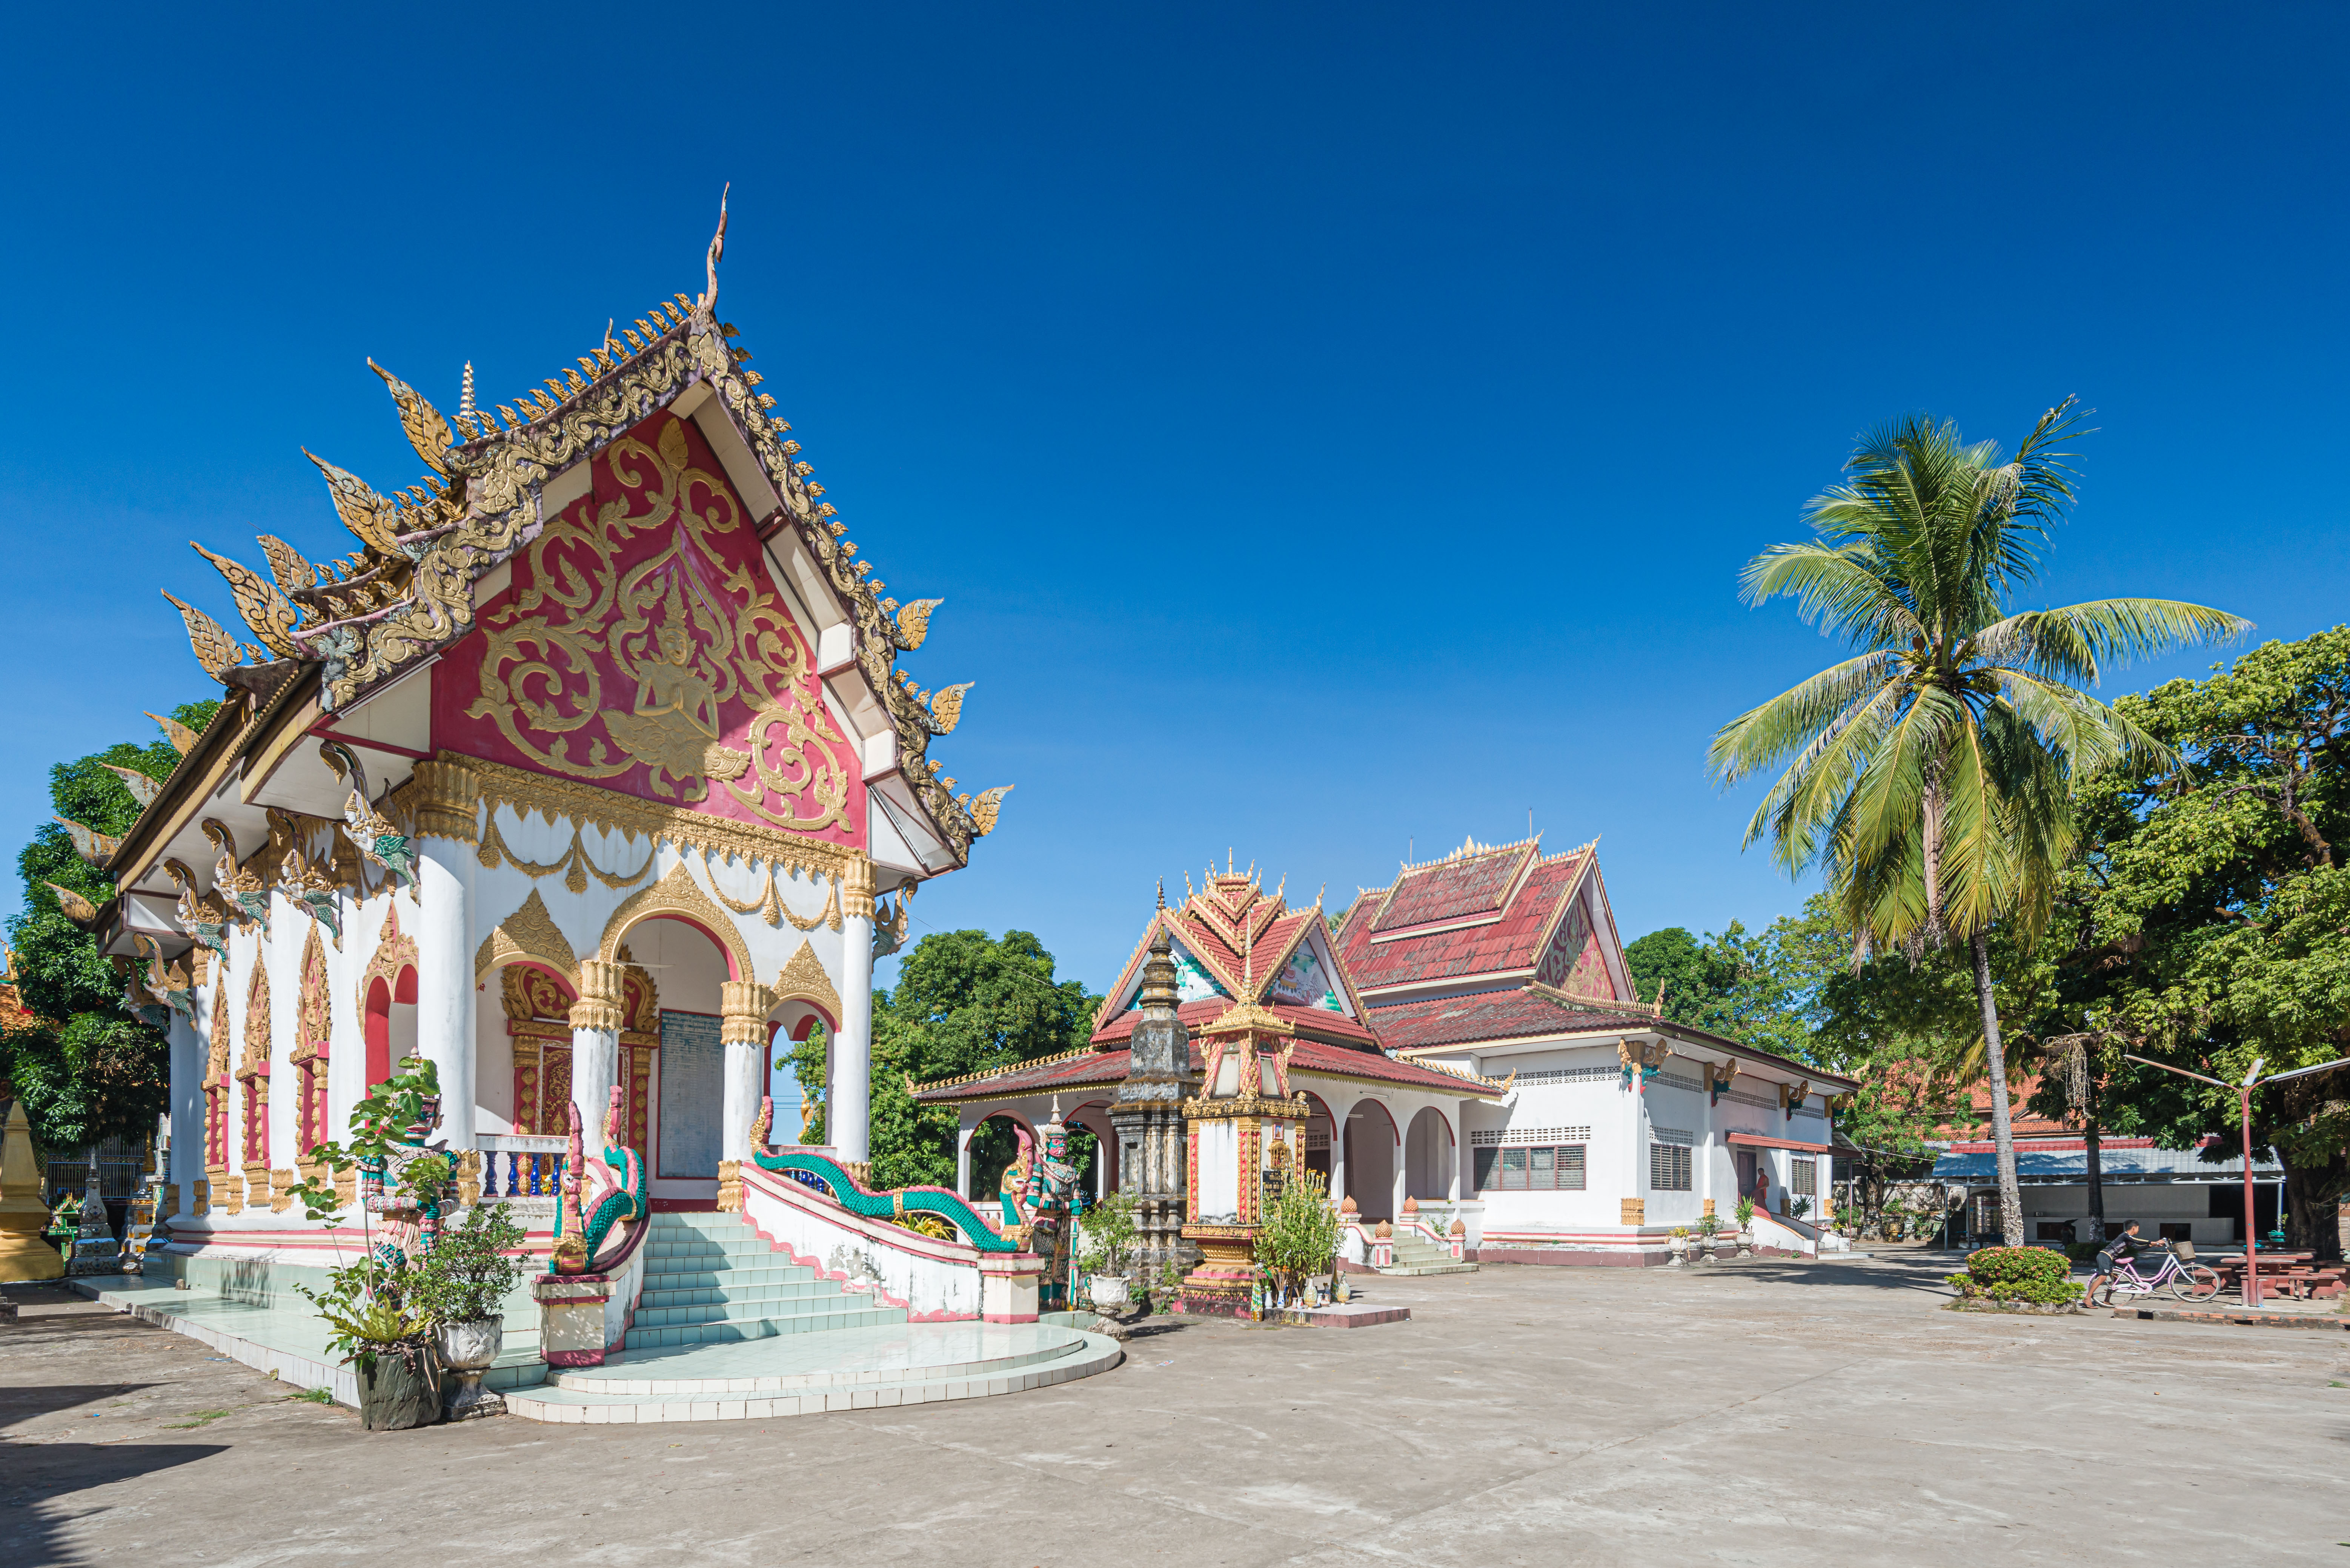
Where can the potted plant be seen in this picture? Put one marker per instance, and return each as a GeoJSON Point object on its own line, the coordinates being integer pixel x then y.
{"type": "Point", "coordinates": [1746, 1227]}
{"type": "Point", "coordinates": [1678, 1245]}
{"type": "Point", "coordinates": [1299, 1236]}
{"type": "Point", "coordinates": [384, 1341]}
{"type": "Point", "coordinates": [379, 1328]}
{"type": "Point", "coordinates": [459, 1290]}
{"type": "Point", "coordinates": [1106, 1256]}
{"type": "Point", "coordinates": [1708, 1227]}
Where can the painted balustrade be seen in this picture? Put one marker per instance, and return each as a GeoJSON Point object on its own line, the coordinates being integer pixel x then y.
{"type": "Point", "coordinates": [521, 1166]}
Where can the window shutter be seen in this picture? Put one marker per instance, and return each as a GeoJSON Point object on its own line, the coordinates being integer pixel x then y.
{"type": "Point", "coordinates": [1487, 1159]}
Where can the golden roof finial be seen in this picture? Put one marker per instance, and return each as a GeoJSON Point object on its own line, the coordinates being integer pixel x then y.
{"type": "Point", "coordinates": [1162, 893]}
{"type": "Point", "coordinates": [465, 410]}
{"type": "Point", "coordinates": [709, 300]}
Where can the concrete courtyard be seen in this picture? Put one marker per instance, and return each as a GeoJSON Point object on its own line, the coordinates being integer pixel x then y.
{"type": "Point", "coordinates": [1755, 1413]}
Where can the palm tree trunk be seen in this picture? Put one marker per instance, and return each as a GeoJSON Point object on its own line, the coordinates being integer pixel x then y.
{"type": "Point", "coordinates": [2092, 1140]}
{"type": "Point", "coordinates": [2002, 1129]}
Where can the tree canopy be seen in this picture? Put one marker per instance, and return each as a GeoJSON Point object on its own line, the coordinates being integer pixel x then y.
{"type": "Point", "coordinates": [85, 1067]}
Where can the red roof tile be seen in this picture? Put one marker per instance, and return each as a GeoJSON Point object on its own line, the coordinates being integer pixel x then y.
{"type": "Point", "coordinates": [1489, 1015]}
{"type": "Point", "coordinates": [1472, 885]}
{"type": "Point", "coordinates": [1512, 941]}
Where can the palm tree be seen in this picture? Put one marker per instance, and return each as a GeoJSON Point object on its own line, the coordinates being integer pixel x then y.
{"type": "Point", "coordinates": [1929, 778]}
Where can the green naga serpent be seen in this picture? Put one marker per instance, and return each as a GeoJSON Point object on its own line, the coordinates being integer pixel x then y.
{"type": "Point", "coordinates": [622, 1199]}
{"type": "Point", "coordinates": [852, 1195]}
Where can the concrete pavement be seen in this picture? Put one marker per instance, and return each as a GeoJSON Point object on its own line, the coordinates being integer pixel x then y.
{"type": "Point", "coordinates": [1760, 1413]}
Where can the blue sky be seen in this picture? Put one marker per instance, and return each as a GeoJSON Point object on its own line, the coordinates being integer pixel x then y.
{"type": "Point", "coordinates": [1334, 430]}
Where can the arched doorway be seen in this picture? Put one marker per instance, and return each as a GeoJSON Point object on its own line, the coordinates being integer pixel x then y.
{"type": "Point", "coordinates": [1371, 1150]}
{"type": "Point", "coordinates": [687, 1086]}
{"type": "Point", "coordinates": [994, 1145]}
{"type": "Point", "coordinates": [1427, 1155]}
{"type": "Point", "coordinates": [391, 1023]}
{"type": "Point", "coordinates": [1320, 1128]}
{"type": "Point", "coordinates": [796, 1076]}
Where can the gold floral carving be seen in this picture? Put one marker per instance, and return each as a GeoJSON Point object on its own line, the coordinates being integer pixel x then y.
{"type": "Point", "coordinates": [312, 1026]}
{"type": "Point", "coordinates": [499, 482]}
{"type": "Point", "coordinates": [676, 893]}
{"type": "Point", "coordinates": [575, 865]}
{"type": "Point", "coordinates": [528, 934]}
{"type": "Point", "coordinates": [693, 649]}
{"type": "Point", "coordinates": [256, 1024]}
{"type": "Point", "coordinates": [393, 953]}
{"type": "Point", "coordinates": [804, 980]}
{"type": "Point", "coordinates": [601, 994]}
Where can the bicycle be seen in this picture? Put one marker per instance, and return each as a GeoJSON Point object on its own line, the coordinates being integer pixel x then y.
{"type": "Point", "coordinates": [2187, 1280]}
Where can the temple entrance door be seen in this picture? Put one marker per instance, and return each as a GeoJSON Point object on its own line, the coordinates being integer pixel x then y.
{"type": "Point", "coordinates": [1371, 1159]}
{"type": "Point", "coordinates": [1744, 1160]}
{"type": "Point", "coordinates": [689, 1078]}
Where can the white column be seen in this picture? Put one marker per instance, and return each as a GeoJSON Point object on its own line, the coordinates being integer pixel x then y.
{"type": "Point", "coordinates": [1402, 1166]}
{"type": "Point", "coordinates": [1338, 1157]}
{"type": "Point", "coordinates": [595, 1047]}
{"type": "Point", "coordinates": [187, 1107]}
{"type": "Point", "coordinates": [1460, 1148]}
{"type": "Point", "coordinates": [741, 1029]}
{"type": "Point", "coordinates": [848, 1111]}
{"type": "Point", "coordinates": [445, 826]}
{"type": "Point", "coordinates": [962, 1154]}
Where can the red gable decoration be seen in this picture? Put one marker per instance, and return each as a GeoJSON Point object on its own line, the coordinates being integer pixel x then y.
{"type": "Point", "coordinates": [643, 645]}
{"type": "Point", "coordinates": [1256, 949]}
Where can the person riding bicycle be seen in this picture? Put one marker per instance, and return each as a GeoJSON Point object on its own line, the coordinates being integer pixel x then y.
{"type": "Point", "coordinates": [2118, 1250]}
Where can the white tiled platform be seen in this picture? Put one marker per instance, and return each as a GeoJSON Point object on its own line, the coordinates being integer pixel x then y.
{"type": "Point", "coordinates": [803, 1375]}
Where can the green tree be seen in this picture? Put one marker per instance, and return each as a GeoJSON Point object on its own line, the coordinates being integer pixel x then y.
{"type": "Point", "coordinates": [1929, 777]}
{"type": "Point", "coordinates": [964, 1002]}
{"type": "Point", "coordinates": [85, 1067]}
{"type": "Point", "coordinates": [2210, 916]}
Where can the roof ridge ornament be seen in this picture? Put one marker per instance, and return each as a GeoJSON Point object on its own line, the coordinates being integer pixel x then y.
{"type": "Point", "coordinates": [709, 300]}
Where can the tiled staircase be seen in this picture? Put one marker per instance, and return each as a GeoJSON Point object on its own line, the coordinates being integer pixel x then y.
{"type": "Point", "coordinates": [727, 1330]}
{"type": "Point", "coordinates": [1416, 1254]}
{"type": "Point", "coordinates": [711, 1278]}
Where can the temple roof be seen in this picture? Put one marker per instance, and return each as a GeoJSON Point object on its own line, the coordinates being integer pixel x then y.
{"type": "Point", "coordinates": [1251, 946]}
{"type": "Point", "coordinates": [328, 637]}
{"type": "Point", "coordinates": [1093, 1068]}
{"type": "Point", "coordinates": [1482, 910]}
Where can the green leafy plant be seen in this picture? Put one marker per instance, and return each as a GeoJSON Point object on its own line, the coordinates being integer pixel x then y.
{"type": "Point", "coordinates": [1110, 1236]}
{"type": "Point", "coordinates": [1708, 1224]}
{"type": "Point", "coordinates": [2035, 1274]}
{"type": "Point", "coordinates": [1799, 1207]}
{"type": "Point", "coordinates": [470, 1269]}
{"type": "Point", "coordinates": [1300, 1233]}
{"type": "Point", "coordinates": [1680, 1232]}
{"type": "Point", "coordinates": [1745, 1212]}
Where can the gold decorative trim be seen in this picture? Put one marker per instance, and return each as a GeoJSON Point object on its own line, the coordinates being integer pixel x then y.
{"type": "Point", "coordinates": [856, 891]}
{"type": "Point", "coordinates": [770, 907]}
{"type": "Point", "coordinates": [601, 985]}
{"type": "Point", "coordinates": [721, 837]}
{"type": "Point", "coordinates": [742, 1006]}
{"type": "Point", "coordinates": [446, 795]}
{"type": "Point", "coordinates": [394, 951]}
{"type": "Point", "coordinates": [804, 980]}
{"type": "Point", "coordinates": [676, 893]}
{"type": "Point", "coordinates": [528, 934]}
{"type": "Point", "coordinates": [575, 865]}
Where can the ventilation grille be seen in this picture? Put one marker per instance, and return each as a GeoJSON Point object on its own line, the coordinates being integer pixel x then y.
{"type": "Point", "coordinates": [1530, 1135]}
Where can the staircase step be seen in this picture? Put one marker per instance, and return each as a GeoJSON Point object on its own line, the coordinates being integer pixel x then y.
{"type": "Point", "coordinates": [552, 1402]}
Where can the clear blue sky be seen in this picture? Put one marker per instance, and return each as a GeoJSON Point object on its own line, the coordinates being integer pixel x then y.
{"type": "Point", "coordinates": [1330, 428]}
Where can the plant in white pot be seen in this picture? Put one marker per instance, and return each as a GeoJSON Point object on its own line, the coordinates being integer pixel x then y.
{"type": "Point", "coordinates": [1106, 1256]}
{"type": "Point", "coordinates": [460, 1289]}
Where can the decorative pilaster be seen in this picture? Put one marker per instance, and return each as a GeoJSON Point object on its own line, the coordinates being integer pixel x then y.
{"type": "Point", "coordinates": [595, 1038]}
{"type": "Point", "coordinates": [847, 1115]}
{"type": "Point", "coordinates": [742, 1031]}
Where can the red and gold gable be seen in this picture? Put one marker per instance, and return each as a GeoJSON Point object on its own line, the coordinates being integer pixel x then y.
{"type": "Point", "coordinates": [642, 646]}
{"type": "Point", "coordinates": [1574, 961]}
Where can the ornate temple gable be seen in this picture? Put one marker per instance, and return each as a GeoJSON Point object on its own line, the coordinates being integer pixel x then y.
{"type": "Point", "coordinates": [642, 646]}
{"type": "Point", "coordinates": [327, 644]}
{"type": "Point", "coordinates": [1234, 941]}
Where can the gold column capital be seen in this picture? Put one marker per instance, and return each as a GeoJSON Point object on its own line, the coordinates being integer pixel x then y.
{"type": "Point", "coordinates": [743, 1007]}
{"type": "Point", "coordinates": [447, 795]}
{"type": "Point", "coordinates": [598, 1006]}
{"type": "Point", "coordinates": [856, 890]}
